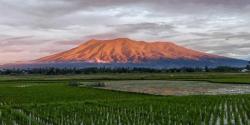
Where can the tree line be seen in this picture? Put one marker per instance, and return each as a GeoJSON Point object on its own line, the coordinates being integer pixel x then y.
{"type": "Point", "coordinates": [93, 70]}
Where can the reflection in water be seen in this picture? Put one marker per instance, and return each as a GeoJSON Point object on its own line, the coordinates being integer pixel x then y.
{"type": "Point", "coordinates": [161, 87]}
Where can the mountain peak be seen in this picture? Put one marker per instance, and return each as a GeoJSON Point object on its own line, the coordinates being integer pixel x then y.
{"type": "Point", "coordinates": [125, 50]}
{"type": "Point", "coordinates": [117, 40]}
{"type": "Point", "coordinates": [122, 39]}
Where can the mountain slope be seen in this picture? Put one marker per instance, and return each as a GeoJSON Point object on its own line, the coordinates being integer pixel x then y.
{"type": "Point", "coordinates": [124, 50]}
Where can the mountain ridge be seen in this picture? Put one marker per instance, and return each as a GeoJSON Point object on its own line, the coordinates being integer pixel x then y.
{"type": "Point", "coordinates": [124, 50]}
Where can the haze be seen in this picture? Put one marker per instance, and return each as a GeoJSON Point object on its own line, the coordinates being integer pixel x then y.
{"type": "Point", "coordinates": [34, 28]}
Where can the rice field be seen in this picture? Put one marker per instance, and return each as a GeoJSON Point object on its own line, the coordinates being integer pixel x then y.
{"type": "Point", "coordinates": [48, 101]}
{"type": "Point", "coordinates": [193, 110]}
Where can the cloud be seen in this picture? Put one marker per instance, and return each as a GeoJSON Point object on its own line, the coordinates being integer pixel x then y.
{"type": "Point", "coordinates": [152, 27]}
{"type": "Point", "coordinates": [150, 31]}
{"type": "Point", "coordinates": [35, 28]}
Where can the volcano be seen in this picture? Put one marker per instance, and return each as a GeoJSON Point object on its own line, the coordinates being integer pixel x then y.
{"type": "Point", "coordinates": [127, 52]}
{"type": "Point", "coordinates": [124, 52]}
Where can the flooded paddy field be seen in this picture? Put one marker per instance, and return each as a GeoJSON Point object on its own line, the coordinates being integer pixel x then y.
{"type": "Point", "coordinates": [162, 87]}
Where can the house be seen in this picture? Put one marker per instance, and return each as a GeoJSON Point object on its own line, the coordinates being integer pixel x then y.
{"type": "Point", "coordinates": [244, 70]}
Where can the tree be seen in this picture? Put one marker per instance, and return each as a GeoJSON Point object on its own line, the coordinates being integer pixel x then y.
{"type": "Point", "coordinates": [248, 66]}
{"type": "Point", "coordinates": [206, 69]}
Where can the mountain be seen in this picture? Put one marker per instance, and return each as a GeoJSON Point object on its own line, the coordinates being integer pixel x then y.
{"type": "Point", "coordinates": [124, 52]}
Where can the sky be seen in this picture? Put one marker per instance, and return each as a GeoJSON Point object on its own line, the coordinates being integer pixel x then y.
{"type": "Point", "coordinates": [31, 29]}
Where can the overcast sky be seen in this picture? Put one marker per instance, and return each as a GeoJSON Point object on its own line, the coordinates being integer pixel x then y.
{"type": "Point", "coordinates": [34, 28]}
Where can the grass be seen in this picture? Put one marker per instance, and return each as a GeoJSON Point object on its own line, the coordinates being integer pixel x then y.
{"type": "Point", "coordinates": [55, 93]}
{"type": "Point", "coordinates": [59, 104]}
{"type": "Point", "coordinates": [48, 100]}
{"type": "Point", "coordinates": [211, 77]}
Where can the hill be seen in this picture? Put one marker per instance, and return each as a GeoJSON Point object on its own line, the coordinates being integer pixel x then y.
{"type": "Point", "coordinates": [124, 52]}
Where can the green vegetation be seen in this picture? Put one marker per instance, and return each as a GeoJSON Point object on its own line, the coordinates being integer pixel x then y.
{"type": "Point", "coordinates": [51, 100]}
{"type": "Point", "coordinates": [248, 66]}
{"type": "Point", "coordinates": [94, 70]}
{"type": "Point", "coordinates": [199, 76]}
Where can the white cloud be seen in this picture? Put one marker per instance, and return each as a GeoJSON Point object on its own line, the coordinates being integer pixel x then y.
{"type": "Point", "coordinates": [35, 28]}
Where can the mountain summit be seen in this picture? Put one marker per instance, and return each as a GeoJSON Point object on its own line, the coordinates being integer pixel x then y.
{"type": "Point", "coordinates": [124, 50]}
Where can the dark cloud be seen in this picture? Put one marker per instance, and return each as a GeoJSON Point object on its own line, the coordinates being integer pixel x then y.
{"type": "Point", "coordinates": [33, 26]}
{"type": "Point", "coordinates": [58, 14]}
{"type": "Point", "coordinates": [131, 30]}
{"type": "Point", "coordinates": [235, 49]}
{"type": "Point", "coordinates": [152, 27]}
{"type": "Point", "coordinates": [225, 35]}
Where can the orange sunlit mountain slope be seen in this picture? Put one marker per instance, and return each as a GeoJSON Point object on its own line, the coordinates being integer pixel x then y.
{"type": "Point", "coordinates": [123, 50]}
